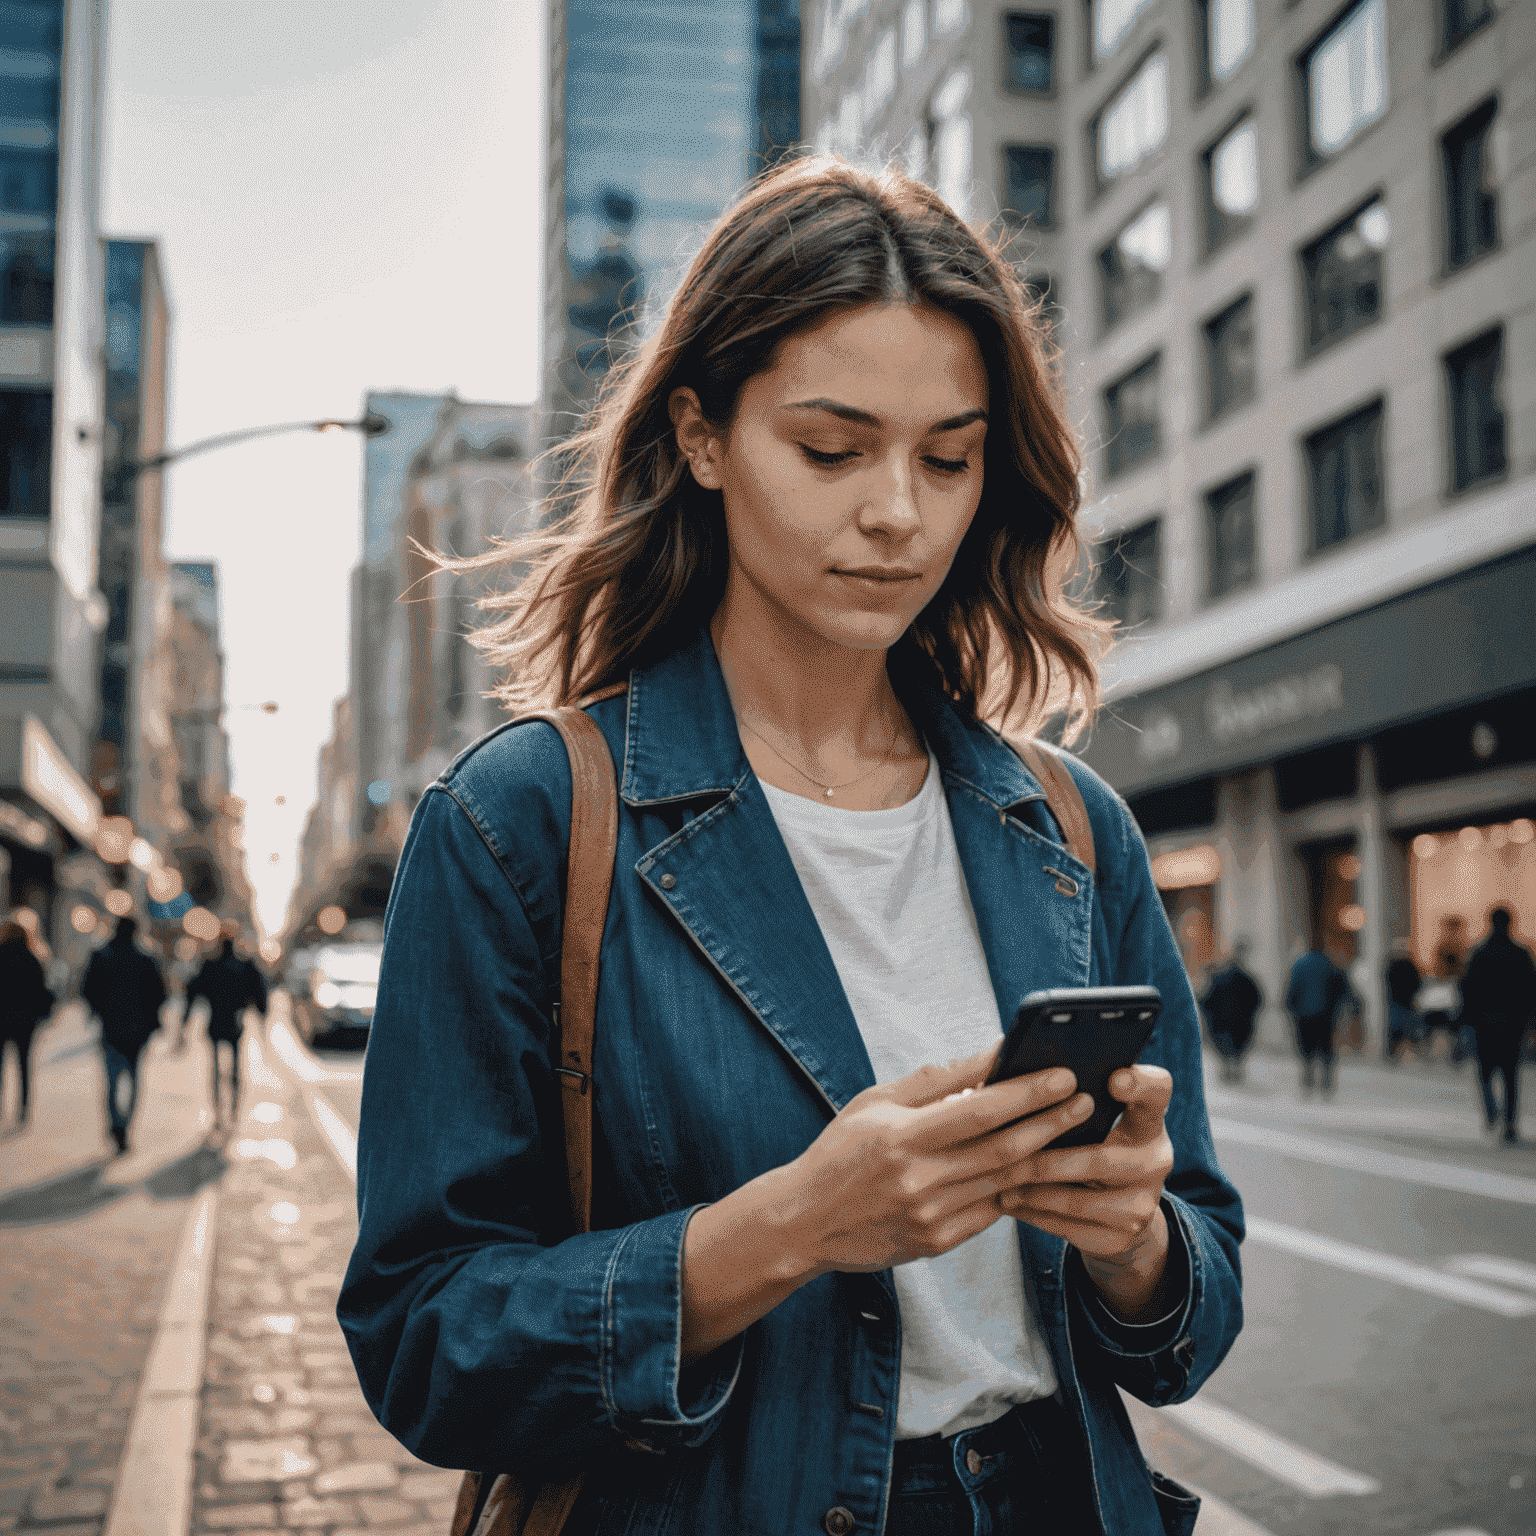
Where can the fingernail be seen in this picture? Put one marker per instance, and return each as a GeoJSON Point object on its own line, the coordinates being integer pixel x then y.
{"type": "Point", "coordinates": [1082, 1106]}
{"type": "Point", "coordinates": [1059, 1081]}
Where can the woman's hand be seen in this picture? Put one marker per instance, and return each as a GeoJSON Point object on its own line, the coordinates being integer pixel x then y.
{"type": "Point", "coordinates": [912, 1168]}
{"type": "Point", "coordinates": [1106, 1200]}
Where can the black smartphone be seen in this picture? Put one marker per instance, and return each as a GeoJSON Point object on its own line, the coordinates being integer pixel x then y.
{"type": "Point", "coordinates": [1093, 1032]}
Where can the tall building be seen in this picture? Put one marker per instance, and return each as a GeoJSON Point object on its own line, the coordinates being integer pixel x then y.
{"type": "Point", "coordinates": [449, 475]}
{"type": "Point", "coordinates": [659, 112]}
{"type": "Point", "coordinates": [50, 434]}
{"type": "Point", "coordinates": [133, 762]}
{"type": "Point", "coordinates": [1289, 252]}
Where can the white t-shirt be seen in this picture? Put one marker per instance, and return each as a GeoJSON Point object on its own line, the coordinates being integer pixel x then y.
{"type": "Point", "coordinates": [890, 896]}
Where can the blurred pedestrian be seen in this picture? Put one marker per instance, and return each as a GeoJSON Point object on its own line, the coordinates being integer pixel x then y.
{"type": "Point", "coordinates": [1232, 1000]}
{"type": "Point", "coordinates": [1405, 1024]}
{"type": "Point", "coordinates": [25, 1001]}
{"type": "Point", "coordinates": [1498, 997]}
{"type": "Point", "coordinates": [125, 989]}
{"type": "Point", "coordinates": [1317, 990]}
{"type": "Point", "coordinates": [231, 985]}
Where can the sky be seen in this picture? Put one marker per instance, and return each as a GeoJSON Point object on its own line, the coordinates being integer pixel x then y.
{"type": "Point", "coordinates": [346, 196]}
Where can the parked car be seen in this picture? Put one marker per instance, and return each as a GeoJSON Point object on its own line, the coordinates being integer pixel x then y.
{"type": "Point", "coordinates": [333, 1000]}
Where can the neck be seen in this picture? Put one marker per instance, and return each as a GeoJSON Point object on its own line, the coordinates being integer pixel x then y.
{"type": "Point", "coordinates": [810, 689]}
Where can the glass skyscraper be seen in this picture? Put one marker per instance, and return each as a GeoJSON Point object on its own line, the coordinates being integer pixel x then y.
{"type": "Point", "coordinates": [660, 111]}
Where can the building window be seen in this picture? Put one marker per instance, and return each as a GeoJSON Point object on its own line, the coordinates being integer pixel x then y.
{"type": "Point", "coordinates": [1345, 76]}
{"type": "Point", "coordinates": [1029, 171]}
{"type": "Point", "coordinates": [1474, 374]}
{"type": "Point", "coordinates": [914, 32]}
{"type": "Point", "coordinates": [29, 180]}
{"type": "Point", "coordinates": [1228, 28]}
{"type": "Point", "coordinates": [1231, 355]}
{"type": "Point", "coordinates": [1111, 20]}
{"type": "Point", "coordinates": [1343, 273]}
{"type": "Point", "coordinates": [1471, 196]}
{"type": "Point", "coordinates": [26, 279]}
{"type": "Point", "coordinates": [1131, 266]}
{"type": "Point", "coordinates": [1348, 492]}
{"type": "Point", "coordinates": [1229, 534]}
{"type": "Point", "coordinates": [1029, 51]}
{"type": "Point", "coordinates": [26, 451]}
{"type": "Point", "coordinates": [1134, 428]}
{"type": "Point", "coordinates": [1135, 122]}
{"type": "Point", "coordinates": [1461, 18]}
{"type": "Point", "coordinates": [1129, 580]}
{"type": "Point", "coordinates": [1231, 183]}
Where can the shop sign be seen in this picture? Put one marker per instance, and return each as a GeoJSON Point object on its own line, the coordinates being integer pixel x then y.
{"type": "Point", "coordinates": [50, 778]}
{"type": "Point", "coordinates": [1462, 640]}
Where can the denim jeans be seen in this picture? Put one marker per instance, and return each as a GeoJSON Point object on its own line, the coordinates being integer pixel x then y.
{"type": "Point", "coordinates": [1031, 1478]}
{"type": "Point", "coordinates": [117, 1064]}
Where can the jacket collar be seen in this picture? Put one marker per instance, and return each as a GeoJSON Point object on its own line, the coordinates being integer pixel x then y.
{"type": "Point", "coordinates": [681, 740]}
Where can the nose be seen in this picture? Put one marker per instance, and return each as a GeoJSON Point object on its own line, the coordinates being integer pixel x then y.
{"type": "Point", "coordinates": [892, 504]}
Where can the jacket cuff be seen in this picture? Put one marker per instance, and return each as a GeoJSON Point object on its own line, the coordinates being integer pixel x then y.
{"type": "Point", "coordinates": [649, 1399]}
{"type": "Point", "coordinates": [1141, 1341]}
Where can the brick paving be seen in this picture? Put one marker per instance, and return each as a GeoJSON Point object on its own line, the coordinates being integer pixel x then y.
{"type": "Point", "coordinates": [286, 1440]}
{"type": "Point", "coordinates": [85, 1242]}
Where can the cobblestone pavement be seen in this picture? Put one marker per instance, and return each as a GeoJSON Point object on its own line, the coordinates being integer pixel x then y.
{"type": "Point", "coordinates": [286, 1440]}
{"type": "Point", "coordinates": [85, 1241]}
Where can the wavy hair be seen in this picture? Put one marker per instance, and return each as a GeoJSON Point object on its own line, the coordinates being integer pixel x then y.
{"type": "Point", "coordinates": [635, 559]}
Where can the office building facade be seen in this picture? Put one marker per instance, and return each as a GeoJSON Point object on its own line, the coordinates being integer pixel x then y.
{"type": "Point", "coordinates": [659, 112]}
{"type": "Point", "coordinates": [50, 440]}
{"type": "Point", "coordinates": [1289, 254]}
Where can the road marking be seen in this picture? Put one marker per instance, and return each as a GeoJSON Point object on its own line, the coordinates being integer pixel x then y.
{"type": "Point", "coordinates": [340, 1135]}
{"type": "Point", "coordinates": [1489, 1266]}
{"type": "Point", "coordinates": [152, 1495]}
{"type": "Point", "coordinates": [291, 1049]}
{"type": "Point", "coordinates": [1313, 1475]}
{"type": "Point", "coordinates": [1387, 1165]}
{"type": "Point", "coordinates": [1386, 1266]}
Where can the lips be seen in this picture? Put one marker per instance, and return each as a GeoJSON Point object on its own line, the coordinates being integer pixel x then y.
{"type": "Point", "coordinates": [879, 573]}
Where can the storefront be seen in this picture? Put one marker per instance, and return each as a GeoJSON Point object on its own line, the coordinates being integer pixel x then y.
{"type": "Point", "coordinates": [1372, 780]}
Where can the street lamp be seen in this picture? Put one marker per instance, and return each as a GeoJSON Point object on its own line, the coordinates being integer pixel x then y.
{"type": "Point", "coordinates": [370, 424]}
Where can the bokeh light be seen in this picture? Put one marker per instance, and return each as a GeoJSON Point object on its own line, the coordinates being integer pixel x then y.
{"type": "Point", "coordinates": [200, 923]}
{"type": "Point", "coordinates": [118, 903]}
{"type": "Point", "coordinates": [331, 920]}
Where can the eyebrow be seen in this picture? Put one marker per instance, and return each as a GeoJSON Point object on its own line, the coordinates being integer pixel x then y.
{"type": "Point", "coordinates": [868, 419]}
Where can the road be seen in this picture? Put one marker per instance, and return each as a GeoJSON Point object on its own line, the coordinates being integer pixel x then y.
{"type": "Point", "coordinates": [1385, 1381]}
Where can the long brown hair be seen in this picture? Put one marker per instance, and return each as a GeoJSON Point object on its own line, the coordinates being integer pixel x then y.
{"type": "Point", "coordinates": [635, 561]}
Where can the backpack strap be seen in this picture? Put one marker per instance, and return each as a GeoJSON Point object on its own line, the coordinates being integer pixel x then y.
{"type": "Point", "coordinates": [1063, 799]}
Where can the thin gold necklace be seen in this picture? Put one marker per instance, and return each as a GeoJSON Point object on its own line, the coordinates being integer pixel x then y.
{"type": "Point", "coordinates": [830, 789]}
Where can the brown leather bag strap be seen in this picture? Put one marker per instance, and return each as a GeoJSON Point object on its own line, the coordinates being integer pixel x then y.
{"type": "Point", "coordinates": [1063, 798]}
{"type": "Point", "coordinates": [588, 880]}
{"type": "Point", "coordinates": [589, 876]}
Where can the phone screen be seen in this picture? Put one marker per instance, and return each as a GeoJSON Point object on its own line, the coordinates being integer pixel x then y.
{"type": "Point", "coordinates": [1093, 1032]}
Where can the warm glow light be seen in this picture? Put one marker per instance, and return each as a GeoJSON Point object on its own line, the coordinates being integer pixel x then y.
{"type": "Point", "coordinates": [267, 1113]}
{"type": "Point", "coordinates": [1350, 866]}
{"type": "Point", "coordinates": [118, 903]}
{"type": "Point", "coordinates": [200, 923]}
{"type": "Point", "coordinates": [140, 854]}
{"type": "Point", "coordinates": [164, 883]}
{"type": "Point", "coordinates": [1184, 867]}
{"type": "Point", "coordinates": [285, 1212]}
{"type": "Point", "coordinates": [114, 839]}
{"type": "Point", "coordinates": [1425, 846]}
{"type": "Point", "coordinates": [331, 920]}
{"type": "Point", "coordinates": [1352, 918]}
{"type": "Point", "coordinates": [271, 951]}
{"type": "Point", "coordinates": [186, 949]}
{"type": "Point", "coordinates": [82, 919]}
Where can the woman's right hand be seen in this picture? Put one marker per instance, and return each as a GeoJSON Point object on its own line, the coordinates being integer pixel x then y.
{"type": "Point", "coordinates": [911, 1168]}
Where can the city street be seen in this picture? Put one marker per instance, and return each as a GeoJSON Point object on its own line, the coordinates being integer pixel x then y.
{"type": "Point", "coordinates": [1380, 1384]}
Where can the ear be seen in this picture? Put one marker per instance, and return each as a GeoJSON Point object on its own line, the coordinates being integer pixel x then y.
{"type": "Point", "coordinates": [696, 439]}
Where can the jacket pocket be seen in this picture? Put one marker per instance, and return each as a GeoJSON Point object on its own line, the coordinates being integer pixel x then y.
{"type": "Point", "coordinates": [1175, 1504]}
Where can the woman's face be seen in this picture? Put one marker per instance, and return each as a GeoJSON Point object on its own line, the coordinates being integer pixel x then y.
{"type": "Point", "coordinates": [851, 471]}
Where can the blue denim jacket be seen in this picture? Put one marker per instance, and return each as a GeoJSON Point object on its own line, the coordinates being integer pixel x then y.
{"type": "Point", "coordinates": [486, 1335]}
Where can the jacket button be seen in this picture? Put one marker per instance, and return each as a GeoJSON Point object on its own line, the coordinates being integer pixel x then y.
{"type": "Point", "coordinates": [973, 1462]}
{"type": "Point", "coordinates": [838, 1521]}
{"type": "Point", "coordinates": [666, 882]}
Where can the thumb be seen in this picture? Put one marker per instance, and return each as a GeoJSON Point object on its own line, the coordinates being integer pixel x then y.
{"type": "Point", "coordinates": [933, 1082]}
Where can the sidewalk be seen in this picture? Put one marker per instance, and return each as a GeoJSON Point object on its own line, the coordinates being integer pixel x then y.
{"type": "Point", "coordinates": [85, 1241]}
{"type": "Point", "coordinates": [286, 1440]}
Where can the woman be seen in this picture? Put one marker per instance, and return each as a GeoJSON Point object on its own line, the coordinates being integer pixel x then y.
{"type": "Point", "coordinates": [25, 1001]}
{"type": "Point", "coordinates": [824, 524]}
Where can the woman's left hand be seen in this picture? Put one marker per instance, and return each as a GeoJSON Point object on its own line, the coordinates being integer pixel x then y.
{"type": "Point", "coordinates": [1106, 1200]}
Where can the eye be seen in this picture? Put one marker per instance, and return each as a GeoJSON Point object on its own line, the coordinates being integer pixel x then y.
{"type": "Point", "coordinates": [826, 460]}
{"type": "Point", "coordinates": [949, 466]}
